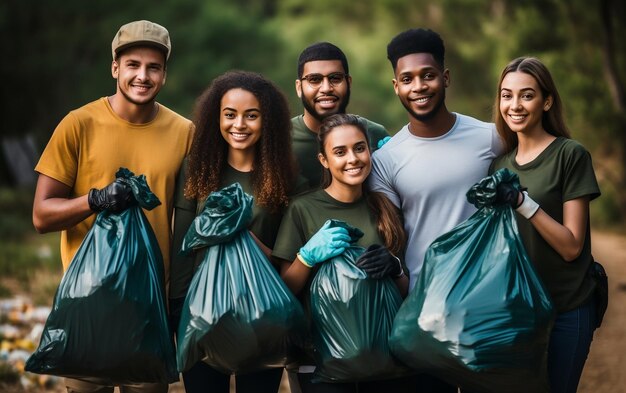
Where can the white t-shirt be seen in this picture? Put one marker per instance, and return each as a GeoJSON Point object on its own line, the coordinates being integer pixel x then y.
{"type": "Point", "coordinates": [428, 178]}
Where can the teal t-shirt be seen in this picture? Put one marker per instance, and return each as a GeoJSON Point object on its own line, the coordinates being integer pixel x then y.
{"type": "Point", "coordinates": [306, 147]}
{"type": "Point", "coordinates": [562, 172]}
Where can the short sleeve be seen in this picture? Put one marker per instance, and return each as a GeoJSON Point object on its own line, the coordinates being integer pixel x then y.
{"type": "Point", "coordinates": [59, 159]}
{"type": "Point", "coordinates": [380, 180]}
{"type": "Point", "coordinates": [580, 178]}
{"type": "Point", "coordinates": [290, 235]}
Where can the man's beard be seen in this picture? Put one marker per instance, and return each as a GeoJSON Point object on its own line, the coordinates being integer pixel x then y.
{"type": "Point", "coordinates": [429, 115]}
{"type": "Point", "coordinates": [319, 117]}
{"type": "Point", "coordinates": [131, 100]}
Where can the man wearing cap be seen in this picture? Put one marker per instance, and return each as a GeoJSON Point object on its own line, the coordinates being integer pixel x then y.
{"type": "Point", "coordinates": [127, 129]}
{"type": "Point", "coordinates": [323, 85]}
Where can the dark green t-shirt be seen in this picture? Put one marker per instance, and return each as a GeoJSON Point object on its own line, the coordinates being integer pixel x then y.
{"type": "Point", "coordinates": [562, 172]}
{"type": "Point", "coordinates": [308, 212]}
{"type": "Point", "coordinates": [305, 215]}
{"type": "Point", "coordinates": [306, 147]}
{"type": "Point", "coordinates": [264, 225]}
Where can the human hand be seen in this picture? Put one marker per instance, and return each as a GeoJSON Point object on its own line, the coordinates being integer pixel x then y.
{"type": "Point", "coordinates": [378, 262]}
{"type": "Point", "coordinates": [382, 142]}
{"type": "Point", "coordinates": [509, 195]}
{"type": "Point", "coordinates": [517, 198]}
{"type": "Point", "coordinates": [326, 243]}
{"type": "Point", "coordinates": [115, 197]}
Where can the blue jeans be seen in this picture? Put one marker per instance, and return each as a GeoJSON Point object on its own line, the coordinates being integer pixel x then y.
{"type": "Point", "coordinates": [569, 346]}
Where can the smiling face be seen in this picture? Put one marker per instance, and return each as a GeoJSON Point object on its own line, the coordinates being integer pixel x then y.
{"type": "Point", "coordinates": [140, 74]}
{"type": "Point", "coordinates": [346, 156]}
{"type": "Point", "coordinates": [522, 103]}
{"type": "Point", "coordinates": [325, 99]}
{"type": "Point", "coordinates": [240, 120]}
{"type": "Point", "coordinates": [420, 84]}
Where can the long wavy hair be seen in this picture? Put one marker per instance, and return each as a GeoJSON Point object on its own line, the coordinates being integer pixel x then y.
{"type": "Point", "coordinates": [388, 217]}
{"type": "Point", "coordinates": [552, 120]}
{"type": "Point", "coordinates": [274, 169]}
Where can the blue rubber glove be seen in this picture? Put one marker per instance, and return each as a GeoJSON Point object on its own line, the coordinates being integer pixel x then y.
{"type": "Point", "coordinates": [325, 244]}
{"type": "Point", "coordinates": [382, 142]}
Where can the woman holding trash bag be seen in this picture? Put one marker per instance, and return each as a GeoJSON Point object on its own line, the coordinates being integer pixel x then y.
{"type": "Point", "coordinates": [554, 210]}
{"type": "Point", "coordinates": [242, 135]}
{"type": "Point", "coordinates": [307, 238]}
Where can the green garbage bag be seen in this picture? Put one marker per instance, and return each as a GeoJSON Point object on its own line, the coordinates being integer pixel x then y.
{"type": "Point", "coordinates": [238, 315]}
{"type": "Point", "coordinates": [108, 322]}
{"type": "Point", "coordinates": [478, 316]}
{"type": "Point", "coordinates": [352, 317]}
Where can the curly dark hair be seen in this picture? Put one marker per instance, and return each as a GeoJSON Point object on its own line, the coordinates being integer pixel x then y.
{"type": "Point", "coordinates": [274, 172]}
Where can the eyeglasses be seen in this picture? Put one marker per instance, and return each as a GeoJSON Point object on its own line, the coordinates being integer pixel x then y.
{"type": "Point", "coordinates": [335, 79]}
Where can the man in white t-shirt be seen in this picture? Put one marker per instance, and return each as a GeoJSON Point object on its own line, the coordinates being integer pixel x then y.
{"type": "Point", "coordinates": [428, 166]}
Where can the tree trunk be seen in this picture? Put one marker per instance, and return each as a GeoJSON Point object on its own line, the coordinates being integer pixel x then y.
{"type": "Point", "coordinates": [608, 53]}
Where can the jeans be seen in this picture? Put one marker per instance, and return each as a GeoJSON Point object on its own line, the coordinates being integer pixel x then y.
{"type": "Point", "coordinates": [80, 386]}
{"type": "Point", "coordinates": [569, 346]}
{"type": "Point", "coordinates": [201, 378]}
{"type": "Point", "coordinates": [301, 383]}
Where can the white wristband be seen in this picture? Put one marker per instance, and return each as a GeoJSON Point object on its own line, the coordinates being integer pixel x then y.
{"type": "Point", "coordinates": [528, 208]}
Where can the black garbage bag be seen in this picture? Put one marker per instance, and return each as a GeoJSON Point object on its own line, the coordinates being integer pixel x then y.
{"type": "Point", "coordinates": [108, 322]}
{"type": "Point", "coordinates": [352, 317]}
{"type": "Point", "coordinates": [479, 316]}
{"type": "Point", "coordinates": [238, 315]}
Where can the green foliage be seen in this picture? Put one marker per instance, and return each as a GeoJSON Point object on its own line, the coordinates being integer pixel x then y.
{"type": "Point", "coordinates": [57, 55]}
{"type": "Point", "coordinates": [4, 292]}
{"type": "Point", "coordinates": [16, 210]}
{"type": "Point", "coordinates": [32, 260]}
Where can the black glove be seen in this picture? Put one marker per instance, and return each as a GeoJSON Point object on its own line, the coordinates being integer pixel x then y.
{"type": "Point", "coordinates": [509, 195]}
{"type": "Point", "coordinates": [379, 263]}
{"type": "Point", "coordinates": [115, 197]}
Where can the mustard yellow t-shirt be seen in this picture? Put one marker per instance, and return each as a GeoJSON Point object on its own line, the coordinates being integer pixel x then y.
{"type": "Point", "coordinates": [91, 143]}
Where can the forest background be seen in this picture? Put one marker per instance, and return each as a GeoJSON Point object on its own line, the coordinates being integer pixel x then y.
{"type": "Point", "coordinates": [56, 57]}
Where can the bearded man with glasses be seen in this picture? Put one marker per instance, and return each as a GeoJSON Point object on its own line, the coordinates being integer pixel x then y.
{"type": "Point", "coordinates": [323, 85]}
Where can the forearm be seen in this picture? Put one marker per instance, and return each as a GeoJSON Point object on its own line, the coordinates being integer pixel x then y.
{"type": "Point", "coordinates": [568, 238]}
{"type": "Point", "coordinates": [558, 236]}
{"type": "Point", "coordinates": [402, 283]}
{"type": "Point", "coordinates": [56, 214]}
{"type": "Point", "coordinates": [295, 275]}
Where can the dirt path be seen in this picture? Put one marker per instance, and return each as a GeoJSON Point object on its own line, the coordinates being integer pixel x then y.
{"type": "Point", "coordinates": [604, 371]}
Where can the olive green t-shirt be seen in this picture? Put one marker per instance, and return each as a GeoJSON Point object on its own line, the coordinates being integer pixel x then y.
{"type": "Point", "coordinates": [264, 225]}
{"type": "Point", "coordinates": [562, 172]}
{"type": "Point", "coordinates": [305, 215]}
{"type": "Point", "coordinates": [308, 212]}
{"type": "Point", "coordinates": [306, 147]}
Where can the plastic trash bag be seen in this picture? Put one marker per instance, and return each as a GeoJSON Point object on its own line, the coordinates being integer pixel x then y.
{"type": "Point", "coordinates": [108, 323]}
{"type": "Point", "coordinates": [238, 315]}
{"type": "Point", "coordinates": [352, 317]}
{"type": "Point", "coordinates": [479, 316]}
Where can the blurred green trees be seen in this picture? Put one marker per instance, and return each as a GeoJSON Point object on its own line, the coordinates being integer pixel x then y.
{"type": "Point", "coordinates": [57, 57]}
